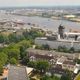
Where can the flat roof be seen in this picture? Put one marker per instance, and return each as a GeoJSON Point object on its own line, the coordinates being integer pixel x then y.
{"type": "Point", "coordinates": [17, 73]}
{"type": "Point", "coordinates": [47, 52]}
{"type": "Point", "coordinates": [72, 33]}
{"type": "Point", "coordinates": [60, 40]}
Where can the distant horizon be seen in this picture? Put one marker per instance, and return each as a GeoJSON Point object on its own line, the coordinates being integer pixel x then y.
{"type": "Point", "coordinates": [38, 3]}
{"type": "Point", "coordinates": [40, 6]}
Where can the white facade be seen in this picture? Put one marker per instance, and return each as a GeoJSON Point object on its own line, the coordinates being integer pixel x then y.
{"type": "Point", "coordinates": [56, 43]}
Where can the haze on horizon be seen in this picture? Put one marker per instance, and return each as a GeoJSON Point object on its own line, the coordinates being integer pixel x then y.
{"type": "Point", "coordinates": [16, 3]}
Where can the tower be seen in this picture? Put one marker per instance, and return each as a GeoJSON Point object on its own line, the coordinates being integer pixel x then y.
{"type": "Point", "coordinates": [61, 31]}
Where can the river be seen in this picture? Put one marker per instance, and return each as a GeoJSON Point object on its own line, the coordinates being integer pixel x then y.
{"type": "Point", "coordinates": [46, 23]}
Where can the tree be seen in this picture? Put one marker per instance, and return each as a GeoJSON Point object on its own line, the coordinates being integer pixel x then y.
{"type": "Point", "coordinates": [23, 46]}
{"type": "Point", "coordinates": [46, 77]}
{"type": "Point", "coordinates": [46, 47]}
{"type": "Point", "coordinates": [14, 53]}
{"type": "Point", "coordinates": [62, 49]}
{"type": "Point", "coordinates": [1, 68]}
{"type": "Point", "coordinates": [13, 61]}
{"type": "Point", "coordinates": [12, 37]}
{"type": "Point", "coordinates": [25, 60]}
{"type": "Point", "coordinates": [67, 76]}
{"type": "Point", "coordinates": [15, 37]}
{"type": "Point", "coordinates": [22, 52]}
{"type": "Point", "coordinates": [33, 33]}
{"type": "Point", "coordinates": [65, 49]}
{"type": "Point", "coordinates": [77, 61]}
{"type": "Point", "coordinates": [3, 58]}
{"type": "Point", "coordinates": [64, 78]}
{"type": "Point", "coordinates": [72, 50]}
{"type": "Point", "coordinates": [1, 38]}
{"type": "Point", "coordinates": [42, 66]}
{"type": "Point", "coordinates": [32, 64]}
{"type": "Point", "coordinates": [39, 47]}
{"type": "Point", "coordinates": [25, 43]}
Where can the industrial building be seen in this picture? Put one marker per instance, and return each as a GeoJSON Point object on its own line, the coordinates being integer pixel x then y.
{"type": "Point", "coordinates": [60, 38]}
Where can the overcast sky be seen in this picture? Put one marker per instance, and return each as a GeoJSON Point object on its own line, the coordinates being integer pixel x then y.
{"type": "Point", "coordinates": [38, 2]}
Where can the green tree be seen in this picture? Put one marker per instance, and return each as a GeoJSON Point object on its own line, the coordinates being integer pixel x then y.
{"type": "Point", "coordinates": [22, 52]}
{"type": "Point", "coordinates": [1, 38]}
{"type": "Point", "coordinates": [67, 76]}
{"type": "Point", "coordinates": [15, 37]}
{"type": "Point", "coordinates": [25, 43]}
{"type": "Point", "coordinates": [72, 50]}
{"type": "Point", "coordinates": [13, 61]}
{"type": "Point", "coordinates": [25, 60]}
{"type": "Point", "coordinates": [14, 53]}
{"type": "Point", "coordinates": [1, 68]}
{"type": "Point", "coordinates": [32, 64]}
{"type": "Point", "coordinates": [38, 47]}
{"type": "Point", "coordinates": [62, 49]}
{"type": "Point", "coordinates": [42, 66]}
{"type": "Point", "coordinates": [77, 61]}
{"type": "Point", "coordinates": [46, 47]}
{"type": "Point", "coordinates": [46, 77]}
{"type": "Point", "coordinates": [33, 33]}
{"type": "Point", "coordinates": [3, 58]}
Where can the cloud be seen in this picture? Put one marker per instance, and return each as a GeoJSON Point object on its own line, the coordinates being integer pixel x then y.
{"type": "Point", "coordinates": [38, 2]}
{"type": "Point", "coordinates": [49, 1]}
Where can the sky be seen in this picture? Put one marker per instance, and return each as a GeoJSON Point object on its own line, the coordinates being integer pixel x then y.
{"type": "Point", "coordinates": [6, 3]}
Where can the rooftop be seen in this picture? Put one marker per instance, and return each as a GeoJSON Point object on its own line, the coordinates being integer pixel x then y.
{"type": "Point", "coordinates": [69, 63]}
{"type": "Point", "coordinates": [17, 73]}
{"type": "Point", "coordinates": [60, 40]}
{"type": "Point", "coordinates": [49, 53]}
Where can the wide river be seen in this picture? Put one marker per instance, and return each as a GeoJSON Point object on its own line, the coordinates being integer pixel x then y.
{"type": "Point", "coordinates": [47, 23]}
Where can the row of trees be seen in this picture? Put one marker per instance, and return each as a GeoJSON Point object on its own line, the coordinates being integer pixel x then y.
{"type": "Point", "coordinates": [43, 47]}
{"type": "Point", "coordinates": [14, 37]}
{"type": "Point", "coordinates": [41, 65]}
{"type": "Point", "coordinates": [60, 48]}
{"type": "Point", "coordinates": [55, 78]}
{"type": "Point", "coordinates": [46, 77]}
{"type": "Point", "coordinates": [3, 60]}
{"type": "Point", "coordinates": [66, 76]}
{"type": "Point", "coordinates": [65, 49]}
{"type": "Point", "coordinates": [17, 45]}
{"type": "Point", "coordinates": [14, 53]}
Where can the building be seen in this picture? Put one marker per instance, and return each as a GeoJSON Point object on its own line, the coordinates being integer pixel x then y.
{"type": "Point", "coordinates": [17, 73]}
{"type": "Point", "coordinates": [67, 39]}
{"type": "Point", "coordinates": [61, 60]}
{"type": "Point", "coordinates": [35, 55]}
{"type": "Point", "coordinates": [66, 61]}
{"type": "Point", "coordinates": [11, 24]}
{"type": "Point", "coordinates": [70, 65]}
{"type": "Point", "coordinates": [54, 44]}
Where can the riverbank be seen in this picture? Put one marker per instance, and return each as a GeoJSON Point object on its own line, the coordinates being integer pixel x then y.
{"type": "Point", "coordinates": [46, 23]}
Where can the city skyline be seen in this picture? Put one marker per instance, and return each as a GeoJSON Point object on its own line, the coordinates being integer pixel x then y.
{"type": "Point", "coordinates": [16, 3]}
